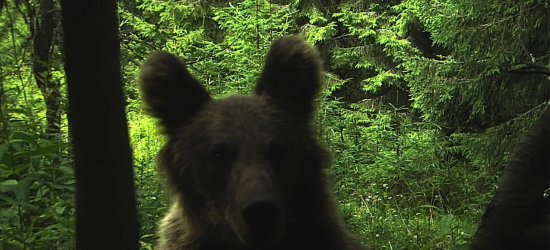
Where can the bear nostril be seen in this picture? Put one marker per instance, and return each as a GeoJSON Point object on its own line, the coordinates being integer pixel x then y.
{"type": "Point", "coordinates": [261, 216]}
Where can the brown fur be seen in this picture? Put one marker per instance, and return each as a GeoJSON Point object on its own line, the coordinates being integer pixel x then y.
{"type": "Point", "coordinates": [247, 171]}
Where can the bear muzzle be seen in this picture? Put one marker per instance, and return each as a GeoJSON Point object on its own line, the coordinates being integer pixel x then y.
{"type": "Point", "coordinates": [263, 221]}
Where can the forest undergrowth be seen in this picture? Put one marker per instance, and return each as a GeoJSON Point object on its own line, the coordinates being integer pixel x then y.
{"type": "Point", "coordinates": [419, 109]}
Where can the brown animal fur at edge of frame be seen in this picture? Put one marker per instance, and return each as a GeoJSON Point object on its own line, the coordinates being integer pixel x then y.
{"type": "Point", "coordinates": [246, 171]}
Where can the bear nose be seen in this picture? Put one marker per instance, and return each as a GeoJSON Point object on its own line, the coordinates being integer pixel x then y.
{"type": "Point", "coordinates": [261, 214]}
{"type": "Point", "coordinates": [263, 219]}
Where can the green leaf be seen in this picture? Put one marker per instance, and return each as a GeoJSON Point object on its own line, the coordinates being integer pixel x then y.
{"type": "Point", "coordinates": [445, 225]}
{"type": "Point", "coordinates": [8, 199]}
{"type": "Point", "coordinates": [9, 183]}
{"type": "Point", "coordinates": [5, 157]}
{"type": "Point", "coordinates": [66, 170]}
{"type": "Point", "coordinates": [22, 192]}
{"type": "Point", "coordinates": [19, 188]}
{"type": "Point", "coordinates": [42, 151]}
{"type": "Point", "coordinates": [25, 137]}
{"type": "Point", "coordinates": [9, 246]}
{"type": "Point", "coordinates": [18, 111]}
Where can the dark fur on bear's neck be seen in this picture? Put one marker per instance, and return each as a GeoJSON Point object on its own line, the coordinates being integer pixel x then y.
{"type": "Point", "coordinates": [271, 130]}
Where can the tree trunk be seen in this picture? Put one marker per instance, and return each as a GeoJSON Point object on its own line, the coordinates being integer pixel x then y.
{"type": "Point", "coordinates": [43, 43]}
{"type": "Point", "coordinates": [518, 216]}
{"type": "Point", "coordinates": [106, 216]}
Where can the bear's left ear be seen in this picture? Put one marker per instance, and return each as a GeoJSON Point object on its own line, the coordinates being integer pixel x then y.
{"type": "Point", "coordinates": [170, 92]}
{"type": "Point", "coordinates": [291, 75]}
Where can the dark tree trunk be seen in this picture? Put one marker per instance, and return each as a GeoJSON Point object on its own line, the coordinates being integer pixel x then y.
{"type": "Point", "coordinates": [43, 31]}
{"type": "Point", "coordinates": [518, 216]}
{"type": "Point", "coordinates": [106, 216]}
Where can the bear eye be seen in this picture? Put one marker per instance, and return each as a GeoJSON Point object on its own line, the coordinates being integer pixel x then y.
{"type": "Point", "coordinates": [221, 156]}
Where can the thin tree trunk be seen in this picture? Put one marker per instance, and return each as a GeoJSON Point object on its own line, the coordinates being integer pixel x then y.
{"type": "Point", "coordinates": [106, 215]}
{"type": "Point", "coordinates": [42, 45]}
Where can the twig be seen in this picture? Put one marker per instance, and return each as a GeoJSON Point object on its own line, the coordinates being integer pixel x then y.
{"type": "Point", "coordinates": [531, 68]}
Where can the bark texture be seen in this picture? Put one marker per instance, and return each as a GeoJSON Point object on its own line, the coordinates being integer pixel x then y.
{"type": "Point", "coordinates": [105, 196]}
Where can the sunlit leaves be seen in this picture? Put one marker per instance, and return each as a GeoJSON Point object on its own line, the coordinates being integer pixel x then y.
{"type": "Point", "coordinates": [361, 24]}
{"type": "Point", "coordinates": [248, 27]}
{"type": "Point", "coordinates": [314, 33]}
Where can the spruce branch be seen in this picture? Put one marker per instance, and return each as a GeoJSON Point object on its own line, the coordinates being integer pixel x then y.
{"type": "Point", "coordinates": [531, 68]}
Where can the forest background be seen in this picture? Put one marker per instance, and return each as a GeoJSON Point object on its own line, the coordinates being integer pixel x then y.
{"type": "Point", "coordinates": [420, 110]}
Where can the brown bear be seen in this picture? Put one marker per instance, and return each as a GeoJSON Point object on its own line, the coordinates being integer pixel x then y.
{"type": "Point", "coordinates": [247, 171]}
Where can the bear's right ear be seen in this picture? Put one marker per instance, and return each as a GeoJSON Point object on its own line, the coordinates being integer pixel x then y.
{"type": "Point", "coordinates": [170, 92]}
{"type": "Point", "coordinates": [291, 76]}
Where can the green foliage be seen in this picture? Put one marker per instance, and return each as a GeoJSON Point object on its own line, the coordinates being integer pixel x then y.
{"type": "Point", "coordinates": [487, 38]}
{"type": "Point", "coordinates": [146, 142]}
{"type": "Point", "coordinates": [396, 174]}
{"type": "Point", "coordinates": [248, 28]}
{"type": "Point", "coordinates": [36, 177]}
{"type": "Point", "coordinates": [438, 149]}
{"type": "Point", "coordinates": [419, 109]}
{"type": "Point", "coordinates": [36, 196]}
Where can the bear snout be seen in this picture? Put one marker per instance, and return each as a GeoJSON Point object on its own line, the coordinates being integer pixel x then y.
{"type": "Point", "coordinates": [263, 217]}
{"type": "Point", "coordinates": [261, 213]}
